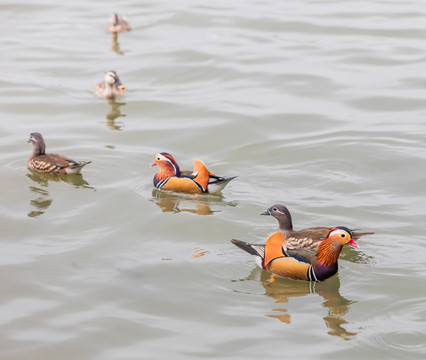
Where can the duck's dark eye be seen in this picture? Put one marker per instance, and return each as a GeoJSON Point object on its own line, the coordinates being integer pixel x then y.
{"type": "Point", "coordinates": [274, 209]}
{"type": "Point", "coordinates": [158, 158]}
{"type": "Point", "coordinates": [343, 235]}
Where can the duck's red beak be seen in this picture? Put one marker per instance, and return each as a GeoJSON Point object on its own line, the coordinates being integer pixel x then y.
{"type": "Point", "coordinates": [154, 164]}
{"type": "Point", "coordinates": [353, 243]}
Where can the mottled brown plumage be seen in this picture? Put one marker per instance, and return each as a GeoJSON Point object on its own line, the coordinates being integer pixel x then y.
{"type": "Point", "coordinates": [308, 238]}
{"type": "Point", "coordinates": [117, 24]}
{"type": "Point", "coordinates": [111, 87]}
{"type": "Point", "coordinates": [51, 163]}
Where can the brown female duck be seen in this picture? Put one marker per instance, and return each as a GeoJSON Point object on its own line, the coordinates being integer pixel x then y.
{"type": "Point", "coordinates": [51, 163]}
{"type": "Point", "coordinates": [117, 24]}
{"type": "Point", "coordinates": [111, 87]}
{"type": "Point", "coordinates": [308, 238]}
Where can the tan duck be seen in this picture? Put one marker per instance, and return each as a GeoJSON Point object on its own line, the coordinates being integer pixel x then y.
{"type": "Point", "coordinates": [117, 24]}
{"type": "Point", "coordinates": [301, 264]}
{"type": "Point", "coordinates": [111, 87]}
{"type": "Point", "coordinates": [308, 238]}
{"type": "Point", "coordinates": [51, 163]}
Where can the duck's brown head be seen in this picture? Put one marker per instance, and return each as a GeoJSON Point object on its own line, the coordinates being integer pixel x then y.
{"type": "Point", "coordinates": [281, 213]}
{"type": "Point", "coordinates": [39, 146]}
{"type": "Point", "coordinates": [112, 79]}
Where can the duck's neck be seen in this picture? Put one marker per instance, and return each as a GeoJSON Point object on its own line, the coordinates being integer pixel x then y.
{"type": "Point", "coordinates": [285, 226]}
{"type": "Point", "coordinates": [328, 254]}
{"type": "Point", "coordinates": [39, 148]}
{"type": "Point", "coordinates": [285, 222]}
{"type": "Point", "coordinates": [110, 90]}
{"type": "Point", "coordinates": [165, 172]}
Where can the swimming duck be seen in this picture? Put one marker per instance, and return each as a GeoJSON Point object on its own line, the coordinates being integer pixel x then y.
{"type": "Point", "coordinates": [301, 264]}
{"type": "Point", "coordinates": [171, 178]}
{"type": "Point", "coordinates": [51, 163]}
{"type": "Point", "coordinates": [117, 24]}
{"type": "Point", "coordinates": [111, 87]}
{"type": "Point", "coordinates": [308, 238]}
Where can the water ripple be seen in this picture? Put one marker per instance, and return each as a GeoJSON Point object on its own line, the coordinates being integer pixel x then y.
{"type": "Point", "coordinates": [318, 105]}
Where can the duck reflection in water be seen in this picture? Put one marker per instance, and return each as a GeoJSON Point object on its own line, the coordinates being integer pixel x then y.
{"type": "Point", "coordinates": [193, 203]}
{"type": "Point", "coordinates": [42, 201]}
{"type": "Point", "coordinates": [115, 44]}
{"type": "Point", "coordinates": [116, 25]}
{"type": "Point", "coordinates": [169, 202]}
{"type": "Point", "coordinates": [113, 114]}
{"type": "Point", "coordinates": [282, 290]}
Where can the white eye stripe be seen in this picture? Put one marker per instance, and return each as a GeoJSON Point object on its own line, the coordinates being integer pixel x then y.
{"type": "Point", "coordinates": [174, 167]}
{"type": "Point", "coordinates": [340, 233]}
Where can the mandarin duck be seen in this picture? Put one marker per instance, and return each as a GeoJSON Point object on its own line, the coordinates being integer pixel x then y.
{"type": "Point", "coordinates": [300, 264]}
{"type": "Point", "coordinates": [308, 238]}
{"type": "Point", "coordinates": [117, 24]}
{"type": "Point", "coordinates": [111, 87]}
{"type": "Point", "coordinates": [51, 163]}
{"type": "Point", "coordinates": [171, 178]}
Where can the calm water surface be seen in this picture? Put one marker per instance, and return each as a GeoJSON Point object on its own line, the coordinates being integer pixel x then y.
{"type": "Point", "coordinates": [319, 105]}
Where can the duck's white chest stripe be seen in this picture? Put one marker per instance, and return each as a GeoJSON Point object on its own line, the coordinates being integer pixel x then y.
{"type": "Point", "coordinates": [161, 183]}
{"type": "Point", "coordinates": [311, 274]}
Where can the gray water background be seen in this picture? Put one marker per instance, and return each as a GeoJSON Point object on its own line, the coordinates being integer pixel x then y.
{"type": "Point", "coordinates": [319, 105]}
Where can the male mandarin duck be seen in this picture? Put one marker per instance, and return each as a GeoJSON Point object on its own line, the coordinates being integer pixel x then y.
{"type": "Point", "coordinates": [308, 238]}
{"type": "Point", "coordinates": [111, 87]}
{"type": "Point", "coordinates": [301, 264]}
{"type": "Point", "coordinates": [171, 178]}
{"type": "Point", "coordinates": [51, 163]}
{"type": "Point", "coordinates": [117, 24]}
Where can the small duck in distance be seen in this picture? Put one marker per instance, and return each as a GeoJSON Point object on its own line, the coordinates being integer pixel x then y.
{"type": "Point", "coordinates": [308, 238]}
{"type": "Point", "coordinates": [301, 264]}
{"type": "Point", "coordinates": [171, 178]}
{"type": "Point", "coordinates": [111, 87]}
{"type": "Point", "coordinates": [51, 163]}
{"type": "Point", "coordinates": [117, 24]}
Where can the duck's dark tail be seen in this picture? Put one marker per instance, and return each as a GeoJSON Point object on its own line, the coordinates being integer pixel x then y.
{"type": "Point", "coordinates": [256, 250]}
{"type": "Point", "coordinates": [356, 235]}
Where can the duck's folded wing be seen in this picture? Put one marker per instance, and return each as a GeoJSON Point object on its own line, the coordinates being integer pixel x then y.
{"type": "Point", "coordinates": [302, 255]}
{"type": "Point", "coordinates": [180, 184]}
